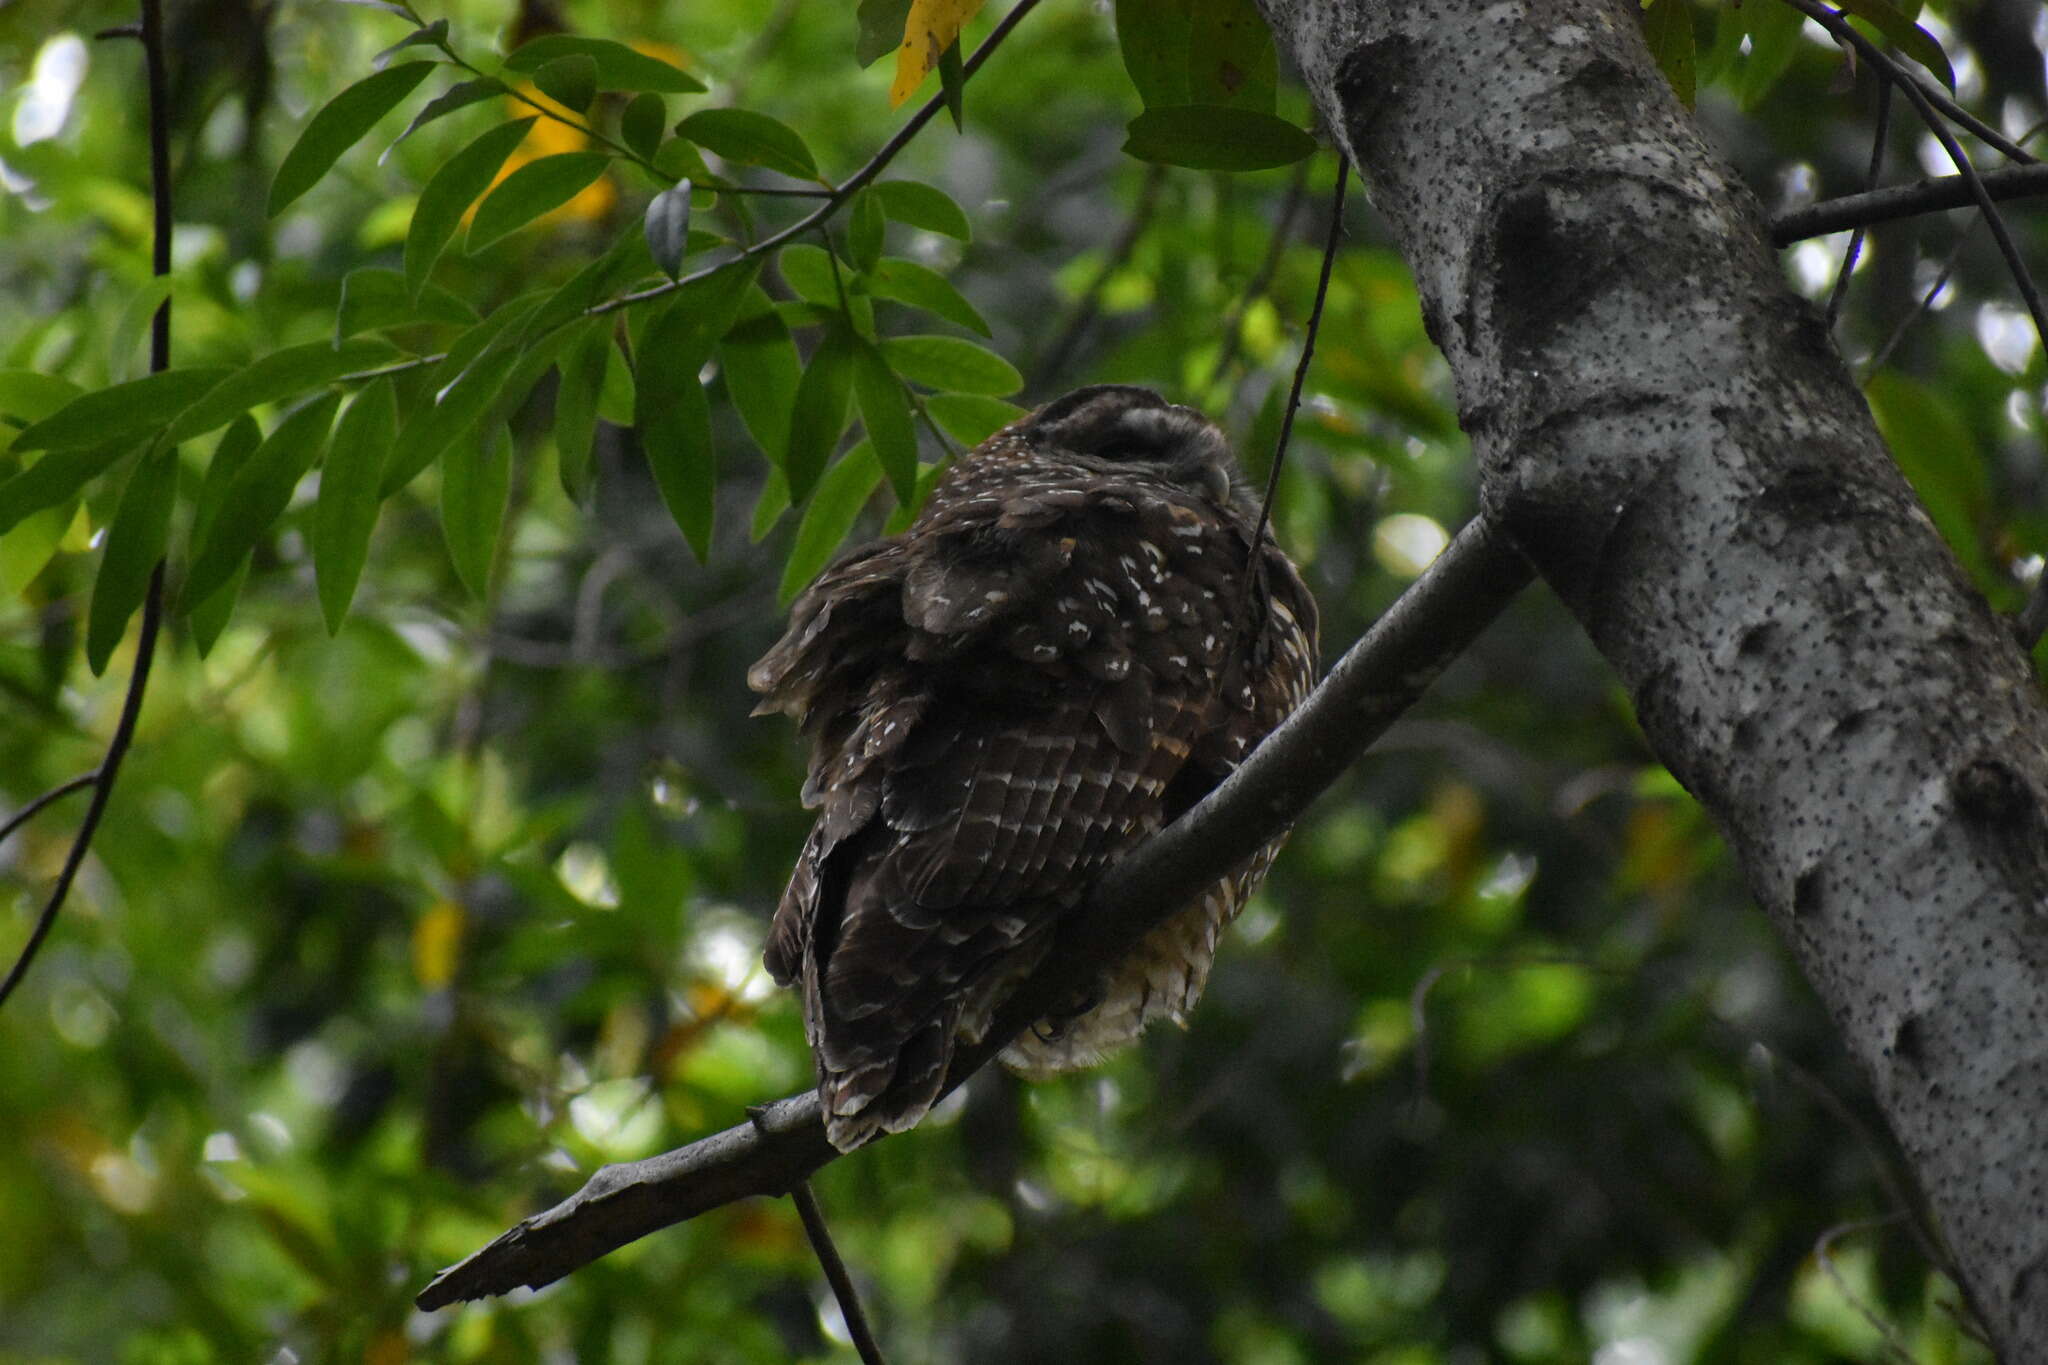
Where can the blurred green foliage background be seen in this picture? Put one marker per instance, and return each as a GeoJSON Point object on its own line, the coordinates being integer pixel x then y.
{"type": "Point", "coordinates": [392, 937]}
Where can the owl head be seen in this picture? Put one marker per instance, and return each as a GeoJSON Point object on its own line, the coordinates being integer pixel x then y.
{"type": "Point", "coordinates": [1125, 424]}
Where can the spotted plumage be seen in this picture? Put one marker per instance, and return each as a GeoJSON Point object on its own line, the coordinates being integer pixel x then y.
{"type": "Point", "coordinates": [1039, 673]}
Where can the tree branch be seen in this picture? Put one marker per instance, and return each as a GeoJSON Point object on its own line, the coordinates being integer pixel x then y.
{"type": "Point", "coordinates": [1670, 436]}
{"type": "Point", "coordinates": [151, 32]}
{"type": "Point", "coordinates": [1378, 679]}
{"type": "Point", "coordinates": [1905, 201]}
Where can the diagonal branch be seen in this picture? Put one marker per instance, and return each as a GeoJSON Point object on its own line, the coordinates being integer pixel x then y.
{"type": "Point", "coordinates": [151, 32]}
{"type": "Point", "coordinates": [1378, 679]}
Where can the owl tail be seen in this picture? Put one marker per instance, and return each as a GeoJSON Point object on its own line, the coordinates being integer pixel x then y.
{"type": "Point", "coordinates": [891, 1093]}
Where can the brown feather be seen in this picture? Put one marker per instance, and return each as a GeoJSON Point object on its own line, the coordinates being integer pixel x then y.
{"type": "Point", "coordinates": [1001, 700]}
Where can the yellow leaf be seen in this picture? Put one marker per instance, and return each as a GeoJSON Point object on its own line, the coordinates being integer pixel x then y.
{"type": "Point", "coordinates": [437, 945]}
{"type": "Point", "coordinates": [933, 26]}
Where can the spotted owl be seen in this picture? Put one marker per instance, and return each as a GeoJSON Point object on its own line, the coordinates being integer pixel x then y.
{"type": "Point", "coordinates": [1042, 671]}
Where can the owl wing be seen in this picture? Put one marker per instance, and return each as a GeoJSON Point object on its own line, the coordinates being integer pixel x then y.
{"type": "Point", "coordinates": [1001, 703]}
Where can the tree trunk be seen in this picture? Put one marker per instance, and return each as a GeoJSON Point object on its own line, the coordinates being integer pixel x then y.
{"type": "Point", "coordinates": [1670, 436]}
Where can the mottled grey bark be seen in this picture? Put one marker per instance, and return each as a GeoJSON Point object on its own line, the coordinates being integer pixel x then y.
{"type": "Point", "coordinates": [1671, 438]}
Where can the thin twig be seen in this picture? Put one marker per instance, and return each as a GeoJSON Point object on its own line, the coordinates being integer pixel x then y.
{"type": "Point", "coordinates": [1898, 1185]}
{"type": "Point", "coordinates": [836, 1275]}
{"type": "Point", "coordinates": [1089, 305]}
{"type": "Point", "coordinates": [1898, 333]}
{"type": "Point", "coordinates": [1894, 1349]}
{"type": "Point", "coordinates": [1308, 350]}
{"type": "Point", "coordinates": [2022, 279]}
{"type": "Point", "coordinates": [54, 794]}
{"type": "Point", "coordinates": [1849, 257]}
{"type": "Point", "coordinates": [151, 32]}
{"type": "Point", "coordinates": [1262, 279]}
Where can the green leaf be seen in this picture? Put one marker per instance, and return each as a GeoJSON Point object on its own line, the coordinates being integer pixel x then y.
{"type": "Point", "coordinates": [570, 81]}
{"type": "Point", "coordinates": [808, 271]}
{"type": "Point", "coordinates": [951, 364]}
{"type": "Point", "coordinates": [576, 403]}
{"type": "Point", "coordinates": [1153, 38]}
{"type": "Point", "coordinates": [432, 35]}
{"type": "Point", "coordinates": [616, 394]}
{"type": "Point", "coordinates": [864, 228]}
{"type": "Point", "coordinates": [351, 484]}
{"type": "Point", "coordinates": [450, 193]}
{"type": "Point", "coordinates": [476, 486]}
{"type": "Point", "coordinates": [703, 312]}
{"type": "Point", "coordinates": [906, 512]}
{"type": "Point", "coordinates": [626, 259]}
{"type": "Point", "coordinates": [668, 228]}
{"type": "Point", "coordinates": [1938, 455]}
{"type": "Point", "coordinates": [953, 85]}
{"type": "Point", "coordinates": [272, 378]}
{"type": "Point", "coordinates": [1773, 38]}
{"type": "Point", "coordinates": [1214, 137]}
{"type": "Point", "coordinates": [109, 414]}
{"type": "Point", "coordinates": [536, 360]}
{"type": "Point", "coordinates": [674, 422]}
{"type": "Point", "coordinates": [210, 617]}
{"type": "Point", "coordinates": [234, 449]}
{"type": "Point", "coordinates": [751, 139]}
{"type": "Point", "coordinates": [881, 29]}
{"type": "Point", "coordinates": [26, 550]}
{"type": "Point", "coordinates": [678, 159]}
{"type": "Point", "coordinates": [230, 454]}
{"type": "Point", "coordinates": [1667, 27]}
{"type": "Point", "coordinates": [373, 298]}
{"type": "Point", "coordinates": [885, 411]}
{"type": "Point", "coordinates": [769, 507]}
{"type": "Point", "coordinates": [338, 126]}
{"type": "Point", "coordinates": [761, 370]}
{"type": "Point", "coordinates": [32, 396]}
{"type": "Point", "coordinates": [818, 415]}
{"type": "Point", "coordinates": [923, 206]}
{"type": "Point", "coordinates": [546, 183]}
{"type": "Point", "coordinates": [56, 477]}
{"type": "Point", "coordinates": [460, 408]}
{"type": "Point", "coordinates": [1230, 56]}
{"type": "Point", "coordinates": [618, 67]}
{"type": "Point", "coordinates": [135, 542]}
{"type": "Point", "coordinates": [922, 287]}
{"type": "Point", "coordinates": [257, 496]}
{"type": "Point", "coordinates": [641, 125]}
{"type": "Point", "coordinates": [971, 418]}
{"type": "Point", "coordinates": [1907, 36]}
{"type": "Point", "coordinates": [458, 96]}
{"type": "Point", "coordinates": [135, 318]}
{"type": "Point", "coordinates": [840, 495]}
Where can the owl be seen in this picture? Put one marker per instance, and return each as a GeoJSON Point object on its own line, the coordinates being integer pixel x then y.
{"type": "Point", "coordinates": [1065, 651]}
